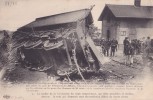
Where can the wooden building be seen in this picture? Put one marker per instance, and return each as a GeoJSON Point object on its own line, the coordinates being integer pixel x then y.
{"type": "Point", "coordinates": [133, 21]}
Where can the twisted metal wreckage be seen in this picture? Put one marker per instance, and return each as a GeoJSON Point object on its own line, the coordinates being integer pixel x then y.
{"type": "Point", "coordinates": [64, 47]}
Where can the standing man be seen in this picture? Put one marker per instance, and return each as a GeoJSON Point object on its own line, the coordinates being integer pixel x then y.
{"type": "Point", "coordinates": [103, 50]}
{"type": "Point", "coordinates": [90, 59]}
{"type": "Point", "coordinates": [107, 46]}
{"type": "Point", "coordinates": [126, 49]}
{"type": "Point", "coordinates": [116, 42]}
{"type": "Point", "coordinates": [147, 46]}
{"type": "Point", "coordinates": [131, 51]}
{"type": "Point", "coordinates": [113, 46]}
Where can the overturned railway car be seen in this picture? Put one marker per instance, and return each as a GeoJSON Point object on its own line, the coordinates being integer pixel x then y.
{"type": "Point", "coordinates": [56, 42]}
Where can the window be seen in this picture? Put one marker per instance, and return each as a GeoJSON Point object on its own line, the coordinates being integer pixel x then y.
{"type": "Point", "coordinates": [123, 33]}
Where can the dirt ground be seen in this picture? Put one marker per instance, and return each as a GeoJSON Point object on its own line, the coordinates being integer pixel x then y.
{"type": "Point", "coordinates": [112, 70]}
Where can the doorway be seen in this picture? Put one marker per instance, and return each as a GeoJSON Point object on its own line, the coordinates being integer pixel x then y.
{"type": "Point", "coordinates": [108, 35]}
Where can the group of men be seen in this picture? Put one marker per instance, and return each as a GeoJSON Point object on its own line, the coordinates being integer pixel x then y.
{"type": "Point", "coordinates": [132, 47]}
{"type": "Point", "coordinates": [109, 47]}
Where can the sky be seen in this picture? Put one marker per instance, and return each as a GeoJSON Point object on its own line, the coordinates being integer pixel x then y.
{"type": "Point", "coordinates": [16, 13]}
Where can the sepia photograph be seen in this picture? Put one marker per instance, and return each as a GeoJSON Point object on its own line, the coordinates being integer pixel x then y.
{"type": "Point", "coordinates": [76, 49]}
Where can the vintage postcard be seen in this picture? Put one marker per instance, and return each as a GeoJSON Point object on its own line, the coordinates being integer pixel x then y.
{"type": "Point", "coordinates": [76, 50]}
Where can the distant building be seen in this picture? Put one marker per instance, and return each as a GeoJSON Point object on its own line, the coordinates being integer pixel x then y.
{"type": "Point", "coordinates": [120, 21]}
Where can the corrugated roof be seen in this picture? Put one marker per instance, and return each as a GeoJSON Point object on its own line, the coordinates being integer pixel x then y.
{"type": "Point", "coordinates": [61, 18]}
{"type": "Point", "coordinates": [129, 11]}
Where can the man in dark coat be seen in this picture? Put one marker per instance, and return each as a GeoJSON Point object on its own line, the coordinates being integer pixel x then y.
{"type": "Point", "coordinates": [126, 44]}
{"type": "Point", "coordinates": [116, 42]}
{"type": "Point", "coordinates": [107, 44]}
{"type": "Point", "coordinates": [147, 46]}
{"type": "Point", "coordinates": [113, 46]}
